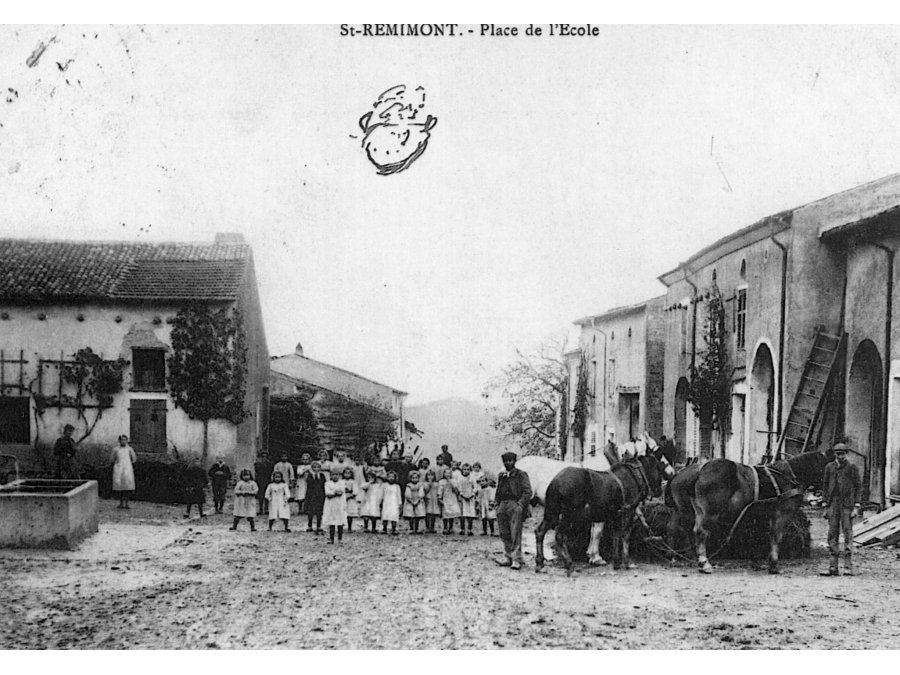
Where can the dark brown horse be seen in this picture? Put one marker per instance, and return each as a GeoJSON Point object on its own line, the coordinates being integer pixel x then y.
{"type": "Point", "coordinates": [679, 494]}
{"type": "Point", "coordinates": [723, 489]}
{"type": "Point", "coordinates": [579, 498]}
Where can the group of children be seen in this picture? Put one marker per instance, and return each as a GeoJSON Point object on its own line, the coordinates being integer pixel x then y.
{"type": "Point", "coordinates": [332, 493]}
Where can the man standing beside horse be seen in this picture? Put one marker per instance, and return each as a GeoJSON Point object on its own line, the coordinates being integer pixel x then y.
{"type": "Point", "coordinates": [512, 499]}
{"type": "Point", "coordinates": [842, 489]}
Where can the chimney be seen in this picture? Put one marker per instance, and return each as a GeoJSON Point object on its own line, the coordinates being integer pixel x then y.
{"type": "Point", "coordinates": [229, 238]}
{"type": "Point", "coordinates": [298, 350]}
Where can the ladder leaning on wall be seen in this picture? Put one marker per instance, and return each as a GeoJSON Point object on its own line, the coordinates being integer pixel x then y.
{"type": "Point", "coordinates": [816, 385]}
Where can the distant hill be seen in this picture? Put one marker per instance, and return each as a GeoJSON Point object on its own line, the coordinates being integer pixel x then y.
{"type": "Point", "coordinates": [464, 426]}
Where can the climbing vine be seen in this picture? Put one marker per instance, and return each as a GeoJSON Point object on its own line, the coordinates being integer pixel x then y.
{"type": "Point", "coordinates": [710, 387]}
{"type": "Point", "coordinates": [582, 401]}
{"type": "Point", "coordinates": [95, 380]}
{"type": "Point", "coordinates": [563, 427]}
{"type": "Point", "coordinates": [208, 365]}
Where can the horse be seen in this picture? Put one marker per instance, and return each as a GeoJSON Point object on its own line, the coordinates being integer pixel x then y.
{"type": "Point", "coordinates": [724, 489]}
{"type": "Point", "coordinates": [577, 497]}
{"type": "Point", "coordinates": [542, 470]}
{"type": "Point", "coordinates": [679, 494]}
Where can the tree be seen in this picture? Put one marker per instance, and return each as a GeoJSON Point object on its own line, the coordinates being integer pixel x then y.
{"type": "Point", "coordinates": [531, 389]}
{"type": "Point", "coordinates": [710, 388]}
{"type": "Point", "coordinates": [208, 365]}
{"type": "Point", "coordinates": [292, 427]}
{"type": "Point", "coordinates": [581, 412]}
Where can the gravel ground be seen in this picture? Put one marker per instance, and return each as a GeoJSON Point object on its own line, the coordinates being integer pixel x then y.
{"type": "Point", "coordinates": [151, 579]}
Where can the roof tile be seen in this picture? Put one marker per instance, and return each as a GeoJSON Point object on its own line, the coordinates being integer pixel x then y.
{"type": "Point", "coordinates": [39, 270]}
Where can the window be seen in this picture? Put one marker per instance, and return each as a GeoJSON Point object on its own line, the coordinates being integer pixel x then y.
{"type": "Point", "coordinates": [740, 315]}
{"type": "Point", "coordinates": [714, 276]}
{"type": "Point", "coordinates": [149, 367]}
{"type": "Point", "coordinates": [15, 419]}
{"type": "Point", "coordinates": [743, 269]}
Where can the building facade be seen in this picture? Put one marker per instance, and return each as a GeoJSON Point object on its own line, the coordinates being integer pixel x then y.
{"type": "Point", "coordinates": [821, 271]}
{"type": "Point", "coordinates": [622, 354]}
{"type": "Point", "coordinates": [65, 304]}
{"type": "Point", "coordinates": [352, 412]}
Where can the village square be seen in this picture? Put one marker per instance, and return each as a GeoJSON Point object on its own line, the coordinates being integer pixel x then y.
{"type": "Point", "coordinates": [349, 429]}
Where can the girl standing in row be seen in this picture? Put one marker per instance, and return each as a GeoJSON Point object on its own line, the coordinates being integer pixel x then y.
{"type": "Point", "coordinates": [414, 504]}
{"type": "Point", "coordinates": [467, 490]}
{"type": "Point", "coordinates": [245, 506]}
{"type": "Point", "coordinates": [390, 504]}
{"type": "Point", "coordinates": [432, 501]}
{"type": "Point", "coordinates": [351, 497]}
{"type": "Point", "coordinates": [370, 493]}
{"type": "Point", "coordinates": [335, 510]}
{"type": "Point", "coordinates": [279, 493]}
{"type": "Point", "coordinates": [449, 500]}
{"type": "Point", "coordinates": [486, 505]}
{"type": "Point", "coordinates": [300, 491]}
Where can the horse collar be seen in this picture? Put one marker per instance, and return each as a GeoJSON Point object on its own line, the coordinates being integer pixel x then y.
{"type": "Point", "coordinates": [646, 483]}
{"type": "Point", "coordinates": [772, 480]}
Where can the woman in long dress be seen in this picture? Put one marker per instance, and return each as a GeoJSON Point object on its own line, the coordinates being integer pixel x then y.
{"type": "Point", "coordinates": [123, 459]}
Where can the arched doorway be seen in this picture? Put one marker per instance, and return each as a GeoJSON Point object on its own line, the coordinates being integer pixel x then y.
{"type": "Point", "coordinates": [761, 405]}
{"type": "Point", "coordinates": [864, 426]}
{"type": "Point", "coordinates": [683, 415]}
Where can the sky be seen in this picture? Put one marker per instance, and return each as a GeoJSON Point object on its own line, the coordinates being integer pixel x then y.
{"type": "Point", "coordinates": [562, 177]}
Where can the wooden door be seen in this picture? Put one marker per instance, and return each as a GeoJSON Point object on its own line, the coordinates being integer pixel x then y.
{"type": "Point", "coordinates": [148, 425]}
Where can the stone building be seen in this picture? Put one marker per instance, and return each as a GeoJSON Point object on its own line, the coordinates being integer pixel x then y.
{"type": "Point", "coordinates": [118, 300]}
{"type": "Point", "coordinates": [352, 412]}
{"type": "Point", "coordinates": [622, 351]}
{"type": "Point", "coordinates": [810, 333]}
{"type": "Point", "coordinates": [863, 229]}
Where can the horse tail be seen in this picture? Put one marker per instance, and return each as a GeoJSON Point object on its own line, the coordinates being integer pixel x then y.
{"type": "Point", "coordinates": [552, 506]}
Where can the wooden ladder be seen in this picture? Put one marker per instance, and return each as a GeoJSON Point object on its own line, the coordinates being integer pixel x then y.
{"type": "Point", "coordinates": [816, 384]}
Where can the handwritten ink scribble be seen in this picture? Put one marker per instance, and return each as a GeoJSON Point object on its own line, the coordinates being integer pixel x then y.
{"type": "Point", "coordinates": [38, 52]}
{"type": "Point", "coordinates": [395, 133]}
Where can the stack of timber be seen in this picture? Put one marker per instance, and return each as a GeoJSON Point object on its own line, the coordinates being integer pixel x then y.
{"type": "Point", "coordinates": [881, 527]}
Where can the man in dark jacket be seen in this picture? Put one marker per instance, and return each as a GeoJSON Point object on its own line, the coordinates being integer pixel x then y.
{"type": "Point", "coordinates": [64, 450]}
{"type": "Point", "coordinates": [512, 498]}
{"type": "Point", "coordinates": [841, 498]}
{"type": "Point", "coordinates": [219, 474]}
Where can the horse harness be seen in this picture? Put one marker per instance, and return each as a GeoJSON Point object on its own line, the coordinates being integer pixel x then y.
{"type": "Point", "coordinates": [780, 494]}
{"type": "Point", "coordinates": [642, 483]}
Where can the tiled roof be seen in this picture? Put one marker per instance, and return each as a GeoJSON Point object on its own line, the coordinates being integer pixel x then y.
{"type": "Point", "coordinates": [38, 270]}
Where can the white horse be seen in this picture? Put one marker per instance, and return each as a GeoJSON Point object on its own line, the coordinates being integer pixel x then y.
{"type": "Point", "coordinates": [542, 470]}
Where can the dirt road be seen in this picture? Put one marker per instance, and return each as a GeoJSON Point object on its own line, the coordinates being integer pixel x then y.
{"type": "Point", "coordinates": [150, 579]}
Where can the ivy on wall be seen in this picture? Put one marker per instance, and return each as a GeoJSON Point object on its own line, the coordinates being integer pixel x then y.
{"type": "Point", "coordinates": [580, 411]}
{"type": "Point", "coordinates": [710, 386]}
{"type": "Point", "coordinates": [207, 371]}
{"type": "Point", "coordinates": [96, 381]}
{"type": "Point", "coordinates": [563, 427]}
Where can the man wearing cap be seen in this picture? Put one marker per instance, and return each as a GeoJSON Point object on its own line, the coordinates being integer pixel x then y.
{"type": "Point", "coordinates": [512, 498]}
{"type": "Point", "coordinates": [64, 451]}
{"type": "Point", "coordinates": [841, 498]}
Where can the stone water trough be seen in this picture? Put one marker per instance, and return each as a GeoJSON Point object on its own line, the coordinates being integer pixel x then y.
{"type": "Point", "coordinates": [41, 513]}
